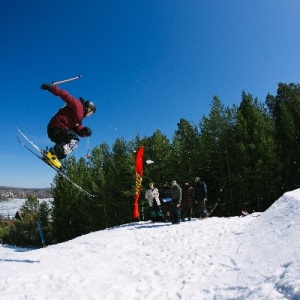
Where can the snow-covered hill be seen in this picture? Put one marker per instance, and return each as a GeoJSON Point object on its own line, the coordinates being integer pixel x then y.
{"type": "Point", "coordinates": [253, 257]}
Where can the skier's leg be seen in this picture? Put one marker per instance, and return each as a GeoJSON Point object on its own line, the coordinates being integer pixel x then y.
{"type": "Point", "coordinates": [69, 147]}
{"type": "Point", "coordinates": [66, 142]}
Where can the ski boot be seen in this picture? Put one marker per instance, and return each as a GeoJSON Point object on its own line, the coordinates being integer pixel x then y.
{"type": "Point", "coordinates": [52, 158]}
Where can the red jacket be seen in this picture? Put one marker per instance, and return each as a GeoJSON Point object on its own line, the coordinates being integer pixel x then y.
{"type": "Point", "coordinates": [71, 115]}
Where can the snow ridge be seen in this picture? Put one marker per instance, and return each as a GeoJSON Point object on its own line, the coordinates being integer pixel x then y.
{"type": "Point", "coordinates": [252, 257]}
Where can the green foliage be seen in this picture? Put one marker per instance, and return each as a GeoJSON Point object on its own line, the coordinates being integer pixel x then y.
{"type": "Point", "coordinates": [185, 151]}
{"type": "Point", "coordinates": [257, 175]}
{"type": "Point", "coordinates": [157, 149]}
{"type": "Point", "coordinates": [120, 174]}
{"type": "Point", "coordinates": [24, 232]}
{"type": "Point", "coordinates": [248, 155]}
{"type": "Point", "coordinates": [31, 204]}
{"type": "Point", "coordinates": [216, 151]}
{"type": "Point", "coordinates": [73, 212]}
{"type": "Point", "coordinates": [285, 111]}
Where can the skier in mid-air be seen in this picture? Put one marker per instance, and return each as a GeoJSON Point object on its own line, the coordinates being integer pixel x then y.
{"type": "Point", "coordinates": [66, 125]}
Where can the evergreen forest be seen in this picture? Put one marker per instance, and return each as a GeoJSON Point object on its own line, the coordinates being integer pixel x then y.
{"type": "Point", "coordinates": [248, 155]}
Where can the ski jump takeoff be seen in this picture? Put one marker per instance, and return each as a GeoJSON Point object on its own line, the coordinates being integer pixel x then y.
{"type": "Point", "coordinates": [66, 125]}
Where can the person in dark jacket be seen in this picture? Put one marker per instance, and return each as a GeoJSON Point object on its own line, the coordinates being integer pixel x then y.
{"type": "Point", "coordinates": [176, 195]}
{"type": "Point", "coordinates": [200, 196]}
{"type": "Point", "coordinates": [187, 201]}
{"type": "Point", "coordinates": [166, 200]}
{"type": "Point", "coordinates": [66, 125]}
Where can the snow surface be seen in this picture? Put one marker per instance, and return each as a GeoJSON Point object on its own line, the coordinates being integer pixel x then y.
{"type": "Point", "coordinates": [252, 257]}
{"type": "Point", "coordinates": [9, 208]}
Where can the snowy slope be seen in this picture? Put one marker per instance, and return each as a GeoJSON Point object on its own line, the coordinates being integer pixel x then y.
{"type": "Point", "coordinates": [253, 257]}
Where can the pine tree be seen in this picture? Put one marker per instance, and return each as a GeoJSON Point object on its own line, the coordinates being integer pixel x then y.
{"type": "Point", "coordinates": [255, 176]}
{"type": "Point", "coordinates": [157, 149]}
{"type": "Point", "coordinates": [215, 153]}
{"type": "Point", "coordinates": [72, 210]}
{"type": "Point", "coordinates": [99, 162]}
{"type": "Point", "coordinates": [185, 151]}
{"type": "Point", "coordinates": [120, 176]}
{"type": "Point", "coordinates": [285, 110]}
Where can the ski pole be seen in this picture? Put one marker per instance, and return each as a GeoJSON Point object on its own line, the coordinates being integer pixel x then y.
{"type": "Point", "coordinates": [66, 80]}
{"type": "Point", "coordinates": [87, 147]}
{"type": "Point", "coordinates": [41, 233]}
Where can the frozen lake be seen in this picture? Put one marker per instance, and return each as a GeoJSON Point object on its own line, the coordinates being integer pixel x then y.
{"type": "Point", "coordinates": [10, 207]}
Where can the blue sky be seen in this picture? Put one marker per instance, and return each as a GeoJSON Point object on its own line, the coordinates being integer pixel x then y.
{"type": "Point", "coordinates": [146, 64]}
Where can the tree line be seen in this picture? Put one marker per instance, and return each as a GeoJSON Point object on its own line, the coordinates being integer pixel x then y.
{"type": "Point", "coordinates": [247, 154]}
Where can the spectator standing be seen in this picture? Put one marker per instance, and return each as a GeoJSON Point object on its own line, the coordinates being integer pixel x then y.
{"type": "Point", "coordinates": [152, 195]}
{"type": "Point", "coordinates": [187, 201]}
{"type": "Point", "coordinates": [200, 196]}
{"type": "Point", "coordinates": [166, 200]}
{"type": "Point", "coordinates": [176, 195]}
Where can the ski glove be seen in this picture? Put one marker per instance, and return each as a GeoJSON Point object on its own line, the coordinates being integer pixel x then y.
{"type": "Point", "coordinates": [46, 87]}
{"type": "Point", "coordinates": [86, 131]}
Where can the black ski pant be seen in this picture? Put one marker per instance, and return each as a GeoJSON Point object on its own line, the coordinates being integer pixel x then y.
{"type": "Point", "coordinates": [61, 137]}
{"type": "Point", "coordinates": [186, 212]}
{"type": "Point", "coordinates": [175, 213]}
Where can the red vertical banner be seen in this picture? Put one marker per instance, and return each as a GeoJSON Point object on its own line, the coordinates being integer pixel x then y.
{"type": "Point", "coordinates": [138, 180]}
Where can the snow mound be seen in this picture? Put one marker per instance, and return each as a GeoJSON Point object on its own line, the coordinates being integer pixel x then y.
{"type": "Point", "coordinates": [252, 257]}
{"type": "Point", "coordinates": [270, 249]}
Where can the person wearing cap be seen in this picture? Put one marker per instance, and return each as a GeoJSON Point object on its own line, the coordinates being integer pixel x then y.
{"type": "Point", "coordinates": [176, 195]}
{"type": "Point", "coordinates": [187, 201]}
{"type": "Point", "coordinates": [66, 125]}
{"type": "Point", "coordinates": [152, 195]}
{"type": "Point", "coordinates": [200, 196]}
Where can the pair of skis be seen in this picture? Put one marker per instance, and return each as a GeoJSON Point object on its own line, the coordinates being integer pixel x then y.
{"type": "Point", "coordinates": [43, 158]}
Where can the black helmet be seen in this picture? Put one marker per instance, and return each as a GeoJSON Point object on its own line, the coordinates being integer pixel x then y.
{"type": "Point", "coordinates": [90, 104]}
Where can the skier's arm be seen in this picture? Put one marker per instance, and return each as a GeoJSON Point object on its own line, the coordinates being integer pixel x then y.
{"type": "Point", "coordinates": [64, 95]}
